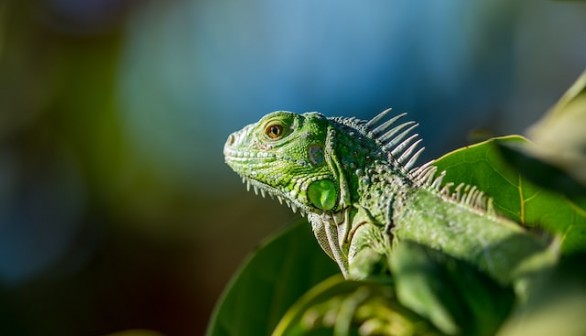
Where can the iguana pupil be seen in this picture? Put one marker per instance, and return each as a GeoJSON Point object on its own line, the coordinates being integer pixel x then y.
{"type": "Point", "coordinates": [274, 131]}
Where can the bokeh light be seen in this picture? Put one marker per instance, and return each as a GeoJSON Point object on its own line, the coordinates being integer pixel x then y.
{"type": "Point", "coordinates": [116, 209]}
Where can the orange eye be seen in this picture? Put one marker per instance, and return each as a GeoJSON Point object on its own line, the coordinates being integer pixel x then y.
{"type": "Point", "coordinates": [274, 131]}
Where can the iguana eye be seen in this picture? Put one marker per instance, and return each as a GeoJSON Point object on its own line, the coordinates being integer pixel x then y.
{"type": "Point", "coordinates": [274, 131]}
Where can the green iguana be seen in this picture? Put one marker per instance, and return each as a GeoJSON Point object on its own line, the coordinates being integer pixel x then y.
{"type": "Point", "coordinates": [357, 183]}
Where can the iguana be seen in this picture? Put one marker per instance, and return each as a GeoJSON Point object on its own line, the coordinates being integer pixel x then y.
{"type": "Point", "coordinates": [358, 185]}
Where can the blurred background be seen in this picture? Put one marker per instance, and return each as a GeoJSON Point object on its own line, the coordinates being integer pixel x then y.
{"type": "Point", "coordinates": [116, 209]}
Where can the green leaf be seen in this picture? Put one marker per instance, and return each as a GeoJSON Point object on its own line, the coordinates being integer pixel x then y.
{"type": "Point", "coordinates": [559, 137]}
{"type": "Point", "coordinates": [269, 282]}
{"type": "Point", "coordinates": [344, 307]}
{"type": "Point", "coordinates": [556, 304]}
{"type": "Point", "coordinates": [513, 195]}
{"type": "Point", "coordinates": [455, 296]}
{"type": "Point", "coordinates": [540, 172]}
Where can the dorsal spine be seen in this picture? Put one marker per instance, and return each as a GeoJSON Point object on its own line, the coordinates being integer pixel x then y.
{"type": "Point", "coordinates": [403, 149]}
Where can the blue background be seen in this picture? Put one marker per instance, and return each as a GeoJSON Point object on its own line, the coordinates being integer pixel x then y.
{"type": "Point", "coordinates": [116, 209]}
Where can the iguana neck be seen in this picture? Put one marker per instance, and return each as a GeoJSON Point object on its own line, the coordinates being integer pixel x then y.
{"type": "Point", "coordinates": [377, 188]}
{"type": "Point", "coordinates": [373, 179]}
{"type": "Point", "coordinates": [368, 183]}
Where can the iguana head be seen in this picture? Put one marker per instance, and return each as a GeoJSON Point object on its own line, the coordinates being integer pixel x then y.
{"type": "Point", "coordinates": [318, 164]}
{"type": "Point", "coordinates": [284, 155]}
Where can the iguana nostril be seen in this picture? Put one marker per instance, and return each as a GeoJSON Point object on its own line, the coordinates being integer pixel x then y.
{"type": "Point", "coordinates": [231, 139]}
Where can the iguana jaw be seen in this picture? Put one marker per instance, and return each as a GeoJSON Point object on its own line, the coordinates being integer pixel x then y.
{"type": "Point", "coordinates": [265, 189]}
{"type": "Point", "coordinates": [283, 155]}
{"type": "Point", "coordinates": [292, 192]}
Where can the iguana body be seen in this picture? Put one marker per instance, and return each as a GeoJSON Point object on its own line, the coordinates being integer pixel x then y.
{"type": "Point", "coordinates": [356, 183]}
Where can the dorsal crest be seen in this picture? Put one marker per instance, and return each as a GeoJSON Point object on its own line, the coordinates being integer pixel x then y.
{"type": "Point", "coordinates": [402, 147]}
{"type": "Point", "coordinates": [396, 139]}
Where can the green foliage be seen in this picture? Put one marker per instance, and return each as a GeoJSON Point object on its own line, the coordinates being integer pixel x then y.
{"type": "Point", "coordinates": [455, 296]}
{"type": "Point", "coordinates": [270, 281]}
{"type": "Point", "coordinates": [428, 292]}
{"type": "Point", "coordinates": [428, 285]}
{"type": "Point", "coordinates": [557, 302]}
{"type": "Point", "coordinates": [513, 195]}
{"type": "Point", "coordinates": [352, 307]}
{"type": "Point", "coordinates": [539, 183]}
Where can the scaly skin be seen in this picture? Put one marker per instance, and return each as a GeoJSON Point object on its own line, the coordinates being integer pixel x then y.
{"type": "Point", "coordinates": [355, 182]}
